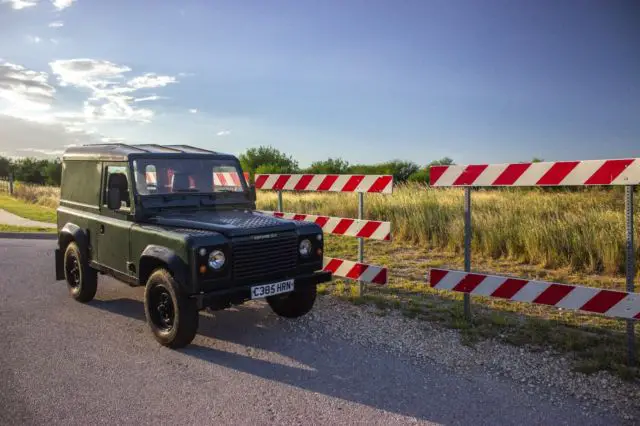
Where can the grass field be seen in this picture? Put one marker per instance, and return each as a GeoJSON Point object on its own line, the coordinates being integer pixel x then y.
{"type": "Point", "coordinates": [582, 230]}
{"type": "Point", "coordinates": [26, 209]}
{"type": "Point", "coordinates": [563, 236]}
{"type": "Point", "coordinates": [11, 228]}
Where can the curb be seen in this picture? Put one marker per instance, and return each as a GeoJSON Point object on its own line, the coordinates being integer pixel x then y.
{"type": "Point", "coordinates": [29, 235]}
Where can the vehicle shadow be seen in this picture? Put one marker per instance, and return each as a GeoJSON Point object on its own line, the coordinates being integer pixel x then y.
{"type": "Point", "coordinates": [274, 349]}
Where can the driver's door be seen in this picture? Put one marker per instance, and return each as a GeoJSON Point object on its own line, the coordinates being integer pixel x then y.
{"type": "Point", "coordinates": [114, 225]}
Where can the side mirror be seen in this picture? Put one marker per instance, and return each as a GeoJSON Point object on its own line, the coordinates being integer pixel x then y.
{"type": "Point", "coordinates": [114, 199]}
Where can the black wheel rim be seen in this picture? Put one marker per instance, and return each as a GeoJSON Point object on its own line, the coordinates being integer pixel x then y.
{"type": "Point", "coordinates": [73, 271]}
{"type": "Point", "coordinates": [161, 308]}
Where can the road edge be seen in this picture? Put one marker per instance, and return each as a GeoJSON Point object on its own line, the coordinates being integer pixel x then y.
{"type": "Point", "coordinates": [29, 235]}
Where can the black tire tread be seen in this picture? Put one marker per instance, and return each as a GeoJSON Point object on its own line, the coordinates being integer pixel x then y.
{"type": "Point", "coordinates": [88, 276]}
{"type": "Point", "coordinates": [187, 316]}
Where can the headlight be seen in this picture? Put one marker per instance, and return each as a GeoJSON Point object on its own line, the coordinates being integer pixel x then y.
{"type": "Point", "coordinates": [216, 259]}
{"type": "Point", "coordinates": [305, 248]}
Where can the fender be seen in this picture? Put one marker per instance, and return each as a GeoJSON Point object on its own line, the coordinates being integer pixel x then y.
{"type": "Point", "coordinates": [153, 254]}
{"type": "Point", "coordinates": [70, 232]}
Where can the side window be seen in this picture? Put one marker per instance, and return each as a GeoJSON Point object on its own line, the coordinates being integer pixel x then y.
{"type": "Point", "coordinates": [116, 176]}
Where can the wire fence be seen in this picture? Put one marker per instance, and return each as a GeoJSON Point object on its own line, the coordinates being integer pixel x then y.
{"type": "Point", "coordinates": [6, 184]}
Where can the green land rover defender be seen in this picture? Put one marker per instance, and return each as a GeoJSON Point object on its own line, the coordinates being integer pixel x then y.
{"type": "Point", "coordinates": [180, 221]}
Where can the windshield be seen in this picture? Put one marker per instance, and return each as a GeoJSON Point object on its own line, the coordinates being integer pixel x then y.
{"type": "Point", "coordinates": [184, 175]}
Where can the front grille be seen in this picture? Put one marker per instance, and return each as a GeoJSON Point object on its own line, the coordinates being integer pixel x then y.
{"type": "Point", "coordinates": [254, 259]}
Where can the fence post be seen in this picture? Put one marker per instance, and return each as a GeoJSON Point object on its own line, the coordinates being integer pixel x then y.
{"type": "Point", "coordinates": [10, 183]}
{"type": "Point", "coordinates": [631, 269]}
{"type": "Point", "coordinates": [280, 208]}
{"type": "Point", "coordinates": [360, 240]}
{"type": "Point", "coordinates": [467, 246]}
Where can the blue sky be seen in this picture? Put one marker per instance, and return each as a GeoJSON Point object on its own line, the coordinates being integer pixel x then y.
{"type": "Point", "coordinates": [368, 81]}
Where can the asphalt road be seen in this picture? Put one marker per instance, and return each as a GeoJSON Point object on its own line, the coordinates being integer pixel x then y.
{"type": "Point", "coordinates": [62, 362]}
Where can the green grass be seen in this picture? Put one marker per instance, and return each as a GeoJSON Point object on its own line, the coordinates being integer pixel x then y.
{"type": "Point", "coordinates": [27, 210]}
{"type": "Point", "coordinates": [11, 228]}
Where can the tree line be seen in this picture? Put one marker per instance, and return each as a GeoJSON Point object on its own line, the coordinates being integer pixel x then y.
{"type": "Point", "coordinates": [31, 170]}
{"type": "Point", "coordinates": [263, 159]}
{"type": "Point", "coordinates": [266, 159]}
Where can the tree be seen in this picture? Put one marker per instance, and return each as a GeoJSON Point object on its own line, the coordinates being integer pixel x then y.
{"type": "Point", "coordinates": [269, 158]}
{"type": "Point", "coordinates": [53, 172]}
{"type": "Point", "coordinates": [5, 166]}
{"type": "Point", "coordinates": [445, 161]}
{"type": "Point", "coordinates": [329, 166]}
{"type": "Point", "coordinates": [30, 170]}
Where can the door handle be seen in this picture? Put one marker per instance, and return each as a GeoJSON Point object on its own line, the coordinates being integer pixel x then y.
{"type": "Point", "coordinates": [101, 229]}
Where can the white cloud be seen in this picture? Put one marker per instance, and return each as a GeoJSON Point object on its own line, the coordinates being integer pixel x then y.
{"type": "Point", "coordinates": [62, 4]}
{"type": "Point", "coordinates": [34, 39]}
{"type": "Point", "coordinates": [150, 80]}
{"type": "Point", "coordinates": [223, 133]}
{"type": "Point", "coordinates": [88, 73]}
{"type": "Point", "coordinates": [52, 152]}
{"type": "Point", "coordinates": [25, 89]}
{"type": "Point", "coordinates": [193, 110]}
{"type": "Point", "coordinates": [20, 4]}
{"type": "Point", "coordinates": [149, 98]}
{"type": "Point", "coordinates": [41, 139]}
{"type": "Point", "coordinates": [56, 24]}
{"type": "Point", "coordinates": [53, 40]}
{"type": "Point", "coordinates": [110, 97]}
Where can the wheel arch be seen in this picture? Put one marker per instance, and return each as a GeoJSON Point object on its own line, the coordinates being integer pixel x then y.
{"type": "Point", "coordinates": [156, 256]}
{"type": "Point", "coordinates": [73, 233]}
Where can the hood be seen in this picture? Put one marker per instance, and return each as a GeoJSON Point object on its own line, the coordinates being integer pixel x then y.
{"type": "Point", "coordinates": [231, 223]}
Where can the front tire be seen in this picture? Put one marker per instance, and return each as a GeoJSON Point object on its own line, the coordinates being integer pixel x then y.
{"type": "Point", "coordinates": [172, 316]}
{"type": "Point", "coordinates": [82, 280]}
{"type": "Point", "coordinates": [295, 304]}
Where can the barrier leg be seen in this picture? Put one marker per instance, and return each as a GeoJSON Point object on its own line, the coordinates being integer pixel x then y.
{"type": "Point", "coordinates": [280, 209]}
{"type": "Point", "coordinates": [631, 269]}
{"type": "Point", "coordinates": [467, 246]}
{"type": "Point", "coordinates": [360, 240]}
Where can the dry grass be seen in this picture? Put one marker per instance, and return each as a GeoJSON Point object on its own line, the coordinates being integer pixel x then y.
{"type": "Point", "coordinates": [582, 230]}
{"type": "Point", "coordinates": [47, 196]}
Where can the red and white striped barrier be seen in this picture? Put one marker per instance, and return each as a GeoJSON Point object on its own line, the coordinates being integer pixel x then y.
{"type": "Point", "coordinates": [227, 179]}
{"type": "Point", "coordinates": [356, 271]}
{"type": "Point", "coordinates": [219, 178]}
{"type": "Point", "coordinates": [560, 173]}
{"type": "Point", "coordinates": [371, 229]}
{"type": "Point", "coordinates": [382, 184]}
{"type": "Point", "coordinates": [611, 303]}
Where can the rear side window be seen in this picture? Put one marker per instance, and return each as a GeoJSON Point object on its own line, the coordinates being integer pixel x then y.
{"type": "Point", "coordinates": [81, 182]}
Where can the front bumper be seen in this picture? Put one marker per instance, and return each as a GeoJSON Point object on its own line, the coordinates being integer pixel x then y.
{"type": "Point", "coordinates": [239, 294]}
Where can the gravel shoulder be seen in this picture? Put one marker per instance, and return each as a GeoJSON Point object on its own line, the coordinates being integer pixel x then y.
{"type": "Point", "coordinates": [69, 363]}
{"type": "Point", "coordinates": [546, 374]}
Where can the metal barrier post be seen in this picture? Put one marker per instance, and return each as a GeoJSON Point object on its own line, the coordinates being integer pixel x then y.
{"type": "Point", "coordinates": [280, 208]}
{"type": "Point", "coordinates": [360, 240]}
{"type": "Point", "coordinates": [467, 246]}
{"type": "Point", "coordinates": [631, 269]}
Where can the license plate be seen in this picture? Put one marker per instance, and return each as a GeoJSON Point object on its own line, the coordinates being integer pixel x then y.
{"type": "Point", "coordinates": [260, 291]}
